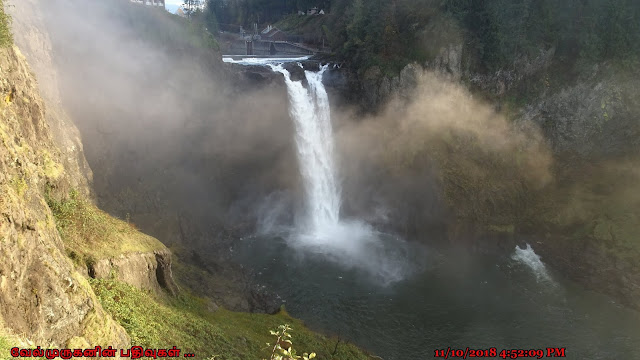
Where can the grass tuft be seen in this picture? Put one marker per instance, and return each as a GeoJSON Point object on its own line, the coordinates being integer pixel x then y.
{"type": "Point", "coordinates": [5, 347]}
{"type": "Point", "coordinates": [90, 234]}
{"type": "Point", "coordinates": [6, 37]}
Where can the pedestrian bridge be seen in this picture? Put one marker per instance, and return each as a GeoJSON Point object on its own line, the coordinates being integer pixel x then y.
{"type": "Point", "coordinates": [268, 48]}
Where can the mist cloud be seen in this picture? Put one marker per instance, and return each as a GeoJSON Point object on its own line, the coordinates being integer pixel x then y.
{"type": "Point", "coordinates": [443, 149]}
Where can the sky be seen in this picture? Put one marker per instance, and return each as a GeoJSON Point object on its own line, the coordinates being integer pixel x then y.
{"type": "Point", "coordinates": [172, 5]}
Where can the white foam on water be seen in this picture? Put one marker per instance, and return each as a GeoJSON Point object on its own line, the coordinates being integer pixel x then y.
{"type": "Point", "coordinates": [529, 258]}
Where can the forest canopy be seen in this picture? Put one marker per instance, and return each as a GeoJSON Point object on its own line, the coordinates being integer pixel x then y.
{"type": "Point", "coordinates": [496, 32]}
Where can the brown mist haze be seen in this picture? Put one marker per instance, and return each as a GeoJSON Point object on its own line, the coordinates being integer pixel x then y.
{"type": "Point", "coordinates": [443, 140]}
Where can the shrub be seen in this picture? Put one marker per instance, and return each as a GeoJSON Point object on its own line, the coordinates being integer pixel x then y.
{"type": "Point", "coordinates": [283, 347]}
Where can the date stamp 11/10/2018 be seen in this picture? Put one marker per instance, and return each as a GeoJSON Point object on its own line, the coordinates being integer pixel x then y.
{"type": "Point", "coordinates": [460, 353]}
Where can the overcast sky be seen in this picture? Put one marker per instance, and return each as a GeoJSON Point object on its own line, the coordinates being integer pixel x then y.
{"type": "Point", "coordinates": [172, 5]}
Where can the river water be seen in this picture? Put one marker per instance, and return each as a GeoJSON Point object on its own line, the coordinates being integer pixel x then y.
{"type": "Point", "coordinates": [455, 299]}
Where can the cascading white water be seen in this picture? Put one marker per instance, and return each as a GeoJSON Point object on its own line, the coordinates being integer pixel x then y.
{"type": "Point", "coordinates": [311, 113]}
{"type": "Point", "coordinates": [322, 232]}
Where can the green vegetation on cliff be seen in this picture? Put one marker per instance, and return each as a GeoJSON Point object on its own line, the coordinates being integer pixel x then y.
{"type": "Point", "coordinates": [5, 346]}
{"type": "Point", "coordinates": [6, 38]}
{"type": "Point", "coordinates": [187, 323]}
{"type": "Point", "coordinates": [90, 234]}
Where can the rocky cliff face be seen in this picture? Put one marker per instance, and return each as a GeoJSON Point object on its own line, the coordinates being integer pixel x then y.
{"type": "Point", "coordinates": [42, 295]}
{"type": "Point", "coordinates": [148, 271]}
{"type": "Point", "coordinates": [594, 118]}
{"type": "Point", "coordinates": [35, 44]}
{"type": "Point", "coordinates": [451, 61]}
{"type": "Point", "coordinates": [45, 295]}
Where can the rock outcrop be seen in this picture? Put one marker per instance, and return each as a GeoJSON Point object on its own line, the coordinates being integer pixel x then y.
{"type": "Point", "coordinates": [147, 271]}
{"type": "Point", "coordinates": [378, 88]}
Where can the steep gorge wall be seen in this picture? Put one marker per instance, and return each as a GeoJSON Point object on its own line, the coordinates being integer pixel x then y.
{"type": "Point", "coordinates": [42, 295]}
{"type": "Point", "coordinates": [27, 24]}
{"type": "Point", "coordinates": [45, 296]}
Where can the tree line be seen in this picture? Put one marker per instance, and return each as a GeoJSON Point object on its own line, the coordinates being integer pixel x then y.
{"type": "Point", "coordinates": [495, 32]}
{"type": "Point", "coordinates": [391, 33]}
{"type": "Point", "coordinates": [247, 12]}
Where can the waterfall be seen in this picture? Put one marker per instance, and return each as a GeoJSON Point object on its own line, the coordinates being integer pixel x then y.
{"type": "Point", "coordinates": [322, 233]}
{"type": "Point", "coordinates": [351, 243]}
{"type": "Point", "coordinates": [311, 114]}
